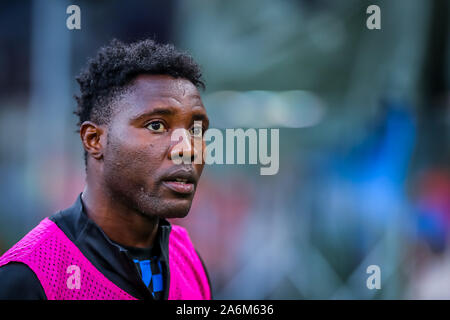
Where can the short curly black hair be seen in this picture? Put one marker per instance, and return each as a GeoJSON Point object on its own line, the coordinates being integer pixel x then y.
{"type": "Point", "coordinates": [112, 70]}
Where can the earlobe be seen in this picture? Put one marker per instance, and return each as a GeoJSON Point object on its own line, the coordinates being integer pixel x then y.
{"type": "Point", "coordinates": [92, 137]}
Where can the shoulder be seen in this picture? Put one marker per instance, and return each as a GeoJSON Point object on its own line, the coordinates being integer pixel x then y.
{"type": "Point", "coordinates": [180, 240]}
{"type": "Point", "coordinates": [25, 246]}
{"type": "Point", "coordinates": [19, 282]}
{"type": "Point", "coordinates": [179, 237]}
{"type": "Point", "coordinates": [178, 231]}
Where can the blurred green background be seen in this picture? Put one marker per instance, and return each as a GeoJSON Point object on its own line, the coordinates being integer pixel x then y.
{"type": "Point", "coordinates": [364, 121]}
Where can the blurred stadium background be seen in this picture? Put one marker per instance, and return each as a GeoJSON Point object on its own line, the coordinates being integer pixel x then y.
{"type": "Point", "coordinates": [364, 136]}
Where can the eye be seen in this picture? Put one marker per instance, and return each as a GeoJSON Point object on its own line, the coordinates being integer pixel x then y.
{"type": "Point", "coordinates": [156, 126]}
{"type": "Point", "coordinates": [196, 131]}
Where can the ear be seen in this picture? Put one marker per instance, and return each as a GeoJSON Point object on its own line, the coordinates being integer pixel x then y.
{"type": "Point", "coordinates": [93, 137]}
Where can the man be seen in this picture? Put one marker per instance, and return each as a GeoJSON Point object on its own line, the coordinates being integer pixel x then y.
{"type": "Point", "coordinates": [115, 241]}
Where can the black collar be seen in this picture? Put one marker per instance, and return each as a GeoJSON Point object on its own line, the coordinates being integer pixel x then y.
{"type": "Point", "coordinates": [112, 260]}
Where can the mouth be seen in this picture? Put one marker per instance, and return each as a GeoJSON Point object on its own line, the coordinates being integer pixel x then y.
{"type": "Point", "coordinates": [182, 182]}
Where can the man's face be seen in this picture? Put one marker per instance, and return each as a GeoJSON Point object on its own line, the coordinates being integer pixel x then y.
{"type": "Point", "coordinates": [137, 161]}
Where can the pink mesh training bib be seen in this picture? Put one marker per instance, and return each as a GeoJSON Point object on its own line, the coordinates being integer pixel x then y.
{"type": "Point", "coordinates": [66, 274]}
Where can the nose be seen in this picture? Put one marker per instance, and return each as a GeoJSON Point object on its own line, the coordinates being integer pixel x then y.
{"type": "Point", "coordinates": [184, 149]}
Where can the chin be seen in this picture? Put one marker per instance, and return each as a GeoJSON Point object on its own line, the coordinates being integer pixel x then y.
{"type": "Point", "coordinates": [174, 214]}
{"type": "Point", "coordinates": [179, 210]}
{"type": "Point", "coordinates": [178, 215]}
{"type": "Point", "coordinates": [173, 209]}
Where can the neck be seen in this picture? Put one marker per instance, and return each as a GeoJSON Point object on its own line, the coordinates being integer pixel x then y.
{"type": "Point", "coordinates": [120, 223]}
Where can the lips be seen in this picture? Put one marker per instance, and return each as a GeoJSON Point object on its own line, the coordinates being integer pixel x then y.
{"type": "Point", "coordinates": [180, 187]}
{"type": "Point", "coordinates": [180, 181]}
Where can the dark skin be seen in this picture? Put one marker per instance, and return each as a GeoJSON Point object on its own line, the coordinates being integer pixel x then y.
{"type": "Point", "coordinates": [130, 172]}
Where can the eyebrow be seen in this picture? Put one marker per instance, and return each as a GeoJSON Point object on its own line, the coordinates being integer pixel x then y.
{"type": "Point", "coordinates": [202, 117]}
{"type": "Point", "coordinates": [155, 111]}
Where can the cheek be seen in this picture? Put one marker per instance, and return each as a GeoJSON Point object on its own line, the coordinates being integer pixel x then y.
{"type": "Point", "coordinates": [136, 154]}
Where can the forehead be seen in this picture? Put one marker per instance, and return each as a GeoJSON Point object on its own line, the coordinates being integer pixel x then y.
{"type": "Point", "coordinates": [164, 84]}
{"type": "Point", "coordinates": [150, 90]}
